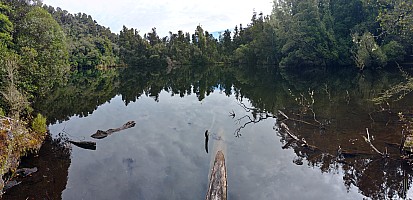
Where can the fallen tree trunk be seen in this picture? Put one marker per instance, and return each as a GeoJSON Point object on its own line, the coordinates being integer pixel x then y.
{"type": "Point", "coordinates": [217, 188]}
{"type": "Point", "coordinates": [102, 134]}
{"type": "Point", "coordinates": [84, 144]}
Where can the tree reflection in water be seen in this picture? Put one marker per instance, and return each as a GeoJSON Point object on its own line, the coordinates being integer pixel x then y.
{"type": "Point", "coordinates": [336, 106]}
{"type": "Point", "coordinates": [328, 122]}
{"type": "Point", "coordinates": [53, 162]}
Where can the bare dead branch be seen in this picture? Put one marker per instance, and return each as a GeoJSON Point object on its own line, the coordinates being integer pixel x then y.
{"type": "Point", "coordinates": [287, 130]}
{"type": "Point", "coordinates": [251, 121]}
{"type": "Point", "coordinates": [297, 120]}
{"type": "Point", "coordinates": [368, 140]}
{"type": "Point", "coordinates": [295, 138]}
{"type": "Point", "coordinates": [238, 121]}
{"type": "Point", "coordinates": [247, 109]}
{"type": "Point", "coordinates": [257, 117]}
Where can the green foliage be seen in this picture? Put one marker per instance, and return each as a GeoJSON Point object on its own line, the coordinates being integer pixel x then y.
{"type": "Point", "coordinates": [304, 31]}
{"type": "Point", "coordinates": [394, 51]}
{"type": "Point", "coordinates": [396, 17]}
{"type": "Point", "coordinates": [256, 43]}
{"type": "Point", "coordinates": [226, 46]}
{"type": "Point", "coordinates": [2, 113]}
{"type": "Point", "coordinates": [11, 95]}
{"type": "Point", "coordinates": [134, 50]}
{"type": "Point", "coordinates": [39, 124]}
{"type": "Point", "coordinates": [178, 47]}
{"type": "Point", "coordinates": [89, 44]}
{"type": "Point", "coordinates": [6, 26]}
{"type": "Point", "coordinates": [396, 92]}
{"type": "Point", "coordinates": [41, 40]}
{"type": "Point", "coordinates": [366, 52]}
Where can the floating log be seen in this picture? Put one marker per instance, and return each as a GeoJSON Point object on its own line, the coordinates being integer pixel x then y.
{"type": "Point", "coordinates": [84, 144]}
{"type": "Point", "coordinates": [11, 184]}
{"type": "Point", "coordinates": [26, 171]}
{"type": "Point", "coordinates": [217, 188]}
{"type": "Point", "coordinates": [102, 134]}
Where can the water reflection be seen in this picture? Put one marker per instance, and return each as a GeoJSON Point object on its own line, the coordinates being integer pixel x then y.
{"type": "Point", "coordinates": [166, 151]}
{"type": "Point", "coordinates": [85, 91]}
{"type": "Point", "coordinates": [49, 182]}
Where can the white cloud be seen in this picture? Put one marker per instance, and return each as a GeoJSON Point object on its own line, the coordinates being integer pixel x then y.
{"type": "Point", "coordinates": [213, 15]}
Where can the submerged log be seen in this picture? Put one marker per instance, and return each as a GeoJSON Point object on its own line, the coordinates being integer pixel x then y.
{"type": "Point", "coordinates": [26, 171]}
{"type": "Point", "coordinates": [217, 188]}
{"type": "Point", "coordinates": [102, 134]}
{"type": "Point", "coordinates": [354, 153]}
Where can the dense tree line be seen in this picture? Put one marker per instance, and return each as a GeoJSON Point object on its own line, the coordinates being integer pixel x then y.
{"type": "Point", "coordinates": [89, 43]}
{"type": "Point", "coordinates": [33, 52]}
{"type": "Point", "coordinates": [33, 61]}
{"type": "Point", "coordinates": [298, 34]}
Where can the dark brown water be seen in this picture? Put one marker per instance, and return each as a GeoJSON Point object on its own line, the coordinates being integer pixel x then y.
{"type": "Point", "coordinates": [164, 157]}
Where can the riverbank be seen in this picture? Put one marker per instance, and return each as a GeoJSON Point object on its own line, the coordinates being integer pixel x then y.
{"type": "Point", "coordinates": [16, 140]}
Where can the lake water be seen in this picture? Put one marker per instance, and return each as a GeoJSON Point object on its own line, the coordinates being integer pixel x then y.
{"type": "Point", "coordinates": [164, 155]}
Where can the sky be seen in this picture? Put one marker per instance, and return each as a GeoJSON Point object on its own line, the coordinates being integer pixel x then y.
{"type": "Point", "coordinates": [167, 15]}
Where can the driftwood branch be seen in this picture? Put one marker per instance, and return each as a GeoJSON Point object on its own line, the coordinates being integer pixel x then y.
{"type": "Point", "coordinates": [297, 120]}
{"type": "Point", "coordinates": [287, 130]}
{"type": "Point", "coordinates": [301, 141]}
{"type": "Point", "coordinates": [247, 109]}
{"type": "Point", "coordinates": [251, 121]}
{"type": "Point", "coordinates": [368, 140]}
{"type": "Point", "coordinates": [255, 118]}
{"type": "Point", "coordinates": [102, 134]}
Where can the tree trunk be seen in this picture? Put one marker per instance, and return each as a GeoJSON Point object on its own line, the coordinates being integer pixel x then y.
{"type": "Point", "coordinates": [217, 189]}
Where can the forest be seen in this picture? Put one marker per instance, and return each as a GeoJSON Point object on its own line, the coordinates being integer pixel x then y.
{"type": "Point", "coordinates": [300, 35]}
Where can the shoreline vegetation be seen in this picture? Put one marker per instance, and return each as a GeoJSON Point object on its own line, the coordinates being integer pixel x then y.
{"type": "Point", "coordinates": [17, 141]}
{"type": "Point", "coordinates": [40, 45]}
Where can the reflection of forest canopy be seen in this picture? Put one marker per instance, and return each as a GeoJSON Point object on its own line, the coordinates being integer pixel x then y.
{"type": "Point", "coordinates": [341, 109]}
{"type": "Point", "coordinates": [83, 93]}
{"type": "Point", "coordinates": [337, 102]}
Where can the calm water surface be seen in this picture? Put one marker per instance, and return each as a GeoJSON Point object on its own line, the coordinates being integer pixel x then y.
{"type": "Point", "coordinates": [164, 155]}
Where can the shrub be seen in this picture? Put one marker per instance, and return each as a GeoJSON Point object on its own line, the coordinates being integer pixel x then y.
{"type": "Point", "coordinates": [39, 124]}
{"type": "Point", "coordinates": [394, 51]}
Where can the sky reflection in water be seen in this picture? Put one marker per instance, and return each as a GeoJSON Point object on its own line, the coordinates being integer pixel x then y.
{"type": "Point", "coordinates": [163, 156]}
